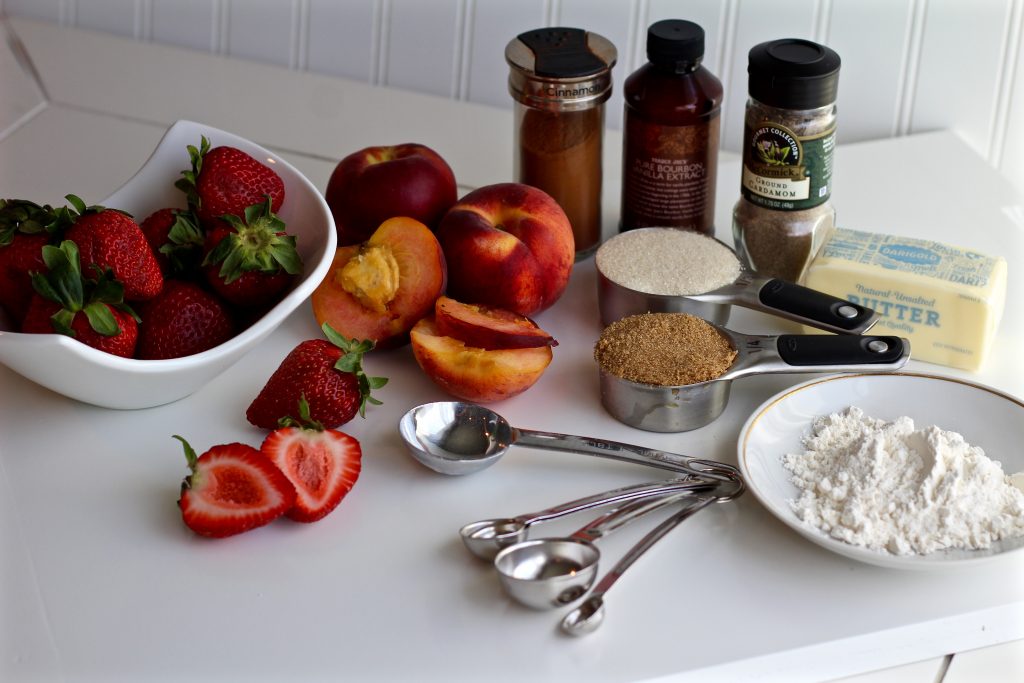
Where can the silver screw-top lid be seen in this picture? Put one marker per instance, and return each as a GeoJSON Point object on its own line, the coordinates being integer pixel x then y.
{"type": "Point", "coordinates": [562, 69]}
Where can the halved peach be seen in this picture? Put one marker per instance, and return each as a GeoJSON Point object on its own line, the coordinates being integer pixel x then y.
{"type": "Point", "coordinates": [486, 327]}
{"type": "Point", "coordinates": [379, 289]}
{"type": "Point", "coordinates": [475, 374]}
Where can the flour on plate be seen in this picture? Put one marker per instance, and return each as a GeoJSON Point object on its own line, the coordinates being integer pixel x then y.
{"type": "Point", "coordinates": [888, 486]}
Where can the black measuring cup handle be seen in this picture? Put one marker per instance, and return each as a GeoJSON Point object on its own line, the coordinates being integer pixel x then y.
{"type": "Point", "coordinates": [842, 351]}
{"type": "Point", "coordinates": [815, 308]}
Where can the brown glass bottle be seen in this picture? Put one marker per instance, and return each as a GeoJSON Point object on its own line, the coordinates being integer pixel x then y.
{"type": "Point", "coordinates": [671, 133]}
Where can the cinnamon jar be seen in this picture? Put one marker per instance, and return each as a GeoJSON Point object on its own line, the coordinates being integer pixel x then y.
{"type": "Point", "coordinates": [671, 132]}
{"type": "Point", "coordinates": [560, 79]}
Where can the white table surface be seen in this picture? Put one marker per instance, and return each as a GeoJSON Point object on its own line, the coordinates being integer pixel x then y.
{"type": "Point", "coordinates": [101, 581]}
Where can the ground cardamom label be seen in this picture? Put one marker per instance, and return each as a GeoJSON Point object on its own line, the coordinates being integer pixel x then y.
{"type": "Point", "coordinates": [784, 171]}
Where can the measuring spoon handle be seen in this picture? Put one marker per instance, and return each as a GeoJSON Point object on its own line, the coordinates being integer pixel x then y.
{"type": "Point", "coordinates": [631, 511]}
{"type": "Point", "coordinates": [625, 493]}
{"type": "Point", "coordinates": [614, 450]}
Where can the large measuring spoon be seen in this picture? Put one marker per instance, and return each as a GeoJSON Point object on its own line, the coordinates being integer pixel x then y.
{"type": "Point", "coordinates": [589, 615]}
{"type": "Point", "coordinates": [451, 437]}
{"type": "Point", "coordinates": [489, 536]}
{"type": "Point", "coordinates": [553, 572]}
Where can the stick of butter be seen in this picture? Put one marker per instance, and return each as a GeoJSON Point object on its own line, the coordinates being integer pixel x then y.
{"type": "Point", "coordinates": [945, 299]}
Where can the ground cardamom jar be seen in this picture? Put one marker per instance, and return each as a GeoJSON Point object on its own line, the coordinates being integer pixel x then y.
{"type": "Point", "coordinates": [784, 215]}
{"type": "Point", "coordinates": [560, 79]}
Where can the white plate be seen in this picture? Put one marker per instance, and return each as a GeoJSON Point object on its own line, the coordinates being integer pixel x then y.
{"type": "Point", "coordinates": [985, 417]}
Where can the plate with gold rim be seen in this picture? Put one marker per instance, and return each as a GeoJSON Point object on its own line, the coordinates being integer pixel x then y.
{"type": "Point", "coordinates": [986, 417]}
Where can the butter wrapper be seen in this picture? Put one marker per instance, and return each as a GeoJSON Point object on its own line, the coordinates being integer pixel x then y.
{"type": "Point", "coordinates": [946, 300]}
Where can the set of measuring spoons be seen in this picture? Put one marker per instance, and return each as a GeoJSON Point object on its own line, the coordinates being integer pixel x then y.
{"type": "Point", "coordinates": [460, 438]}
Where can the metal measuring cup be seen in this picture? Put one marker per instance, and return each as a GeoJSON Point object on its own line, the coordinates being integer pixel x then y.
{"type": "Point", "coordinates": [660, 408]}
{"type": "Point", "coordinates": [769, 295]}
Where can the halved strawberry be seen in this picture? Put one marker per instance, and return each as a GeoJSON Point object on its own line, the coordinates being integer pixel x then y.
{"type": "Point", "coordinates": [233, 488]}
{"type": "Point", "coordinates": [323, 465]}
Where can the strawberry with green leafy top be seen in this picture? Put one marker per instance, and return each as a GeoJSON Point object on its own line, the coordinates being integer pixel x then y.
{"type": "Point", "coordinates": [250, 259]}
{"type": "Point", "coordinates": [322, 464]}
{"type": "Point", "coordinates": [25, 227]}
{"type": "Point", "coordinates": [176, 240]}
{"type": "Point", "coordinates": [89, 310]}
{"type": "Point", "coordinates": [327, 373]}
{"type": "Point", "coordinates": [232, 488]}
{"type": "Point", "coordinates": [110, 238]}
{"type": "Point", "coordinates": [225, 181]}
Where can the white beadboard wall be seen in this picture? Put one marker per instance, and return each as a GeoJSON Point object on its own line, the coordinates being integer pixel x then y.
{"type": "Point", "coordinates": [908, 65]}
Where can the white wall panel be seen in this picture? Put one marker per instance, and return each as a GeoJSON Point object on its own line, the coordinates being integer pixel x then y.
{"type": "Point", "coordinates": [1011, 150]}
{"type": "Point", "coordinates": [423, 45]}
{"type": "Point", "coordinates": [959, 69]}
{"type": "Point", "coordinates": [261, 30]}
{"type": "Point", "coordinates": [113, 16]}
{"type": "Point", "coordinates": [187, 23]}
{"type": "Point", "coordinates": [757, 22]}
{"type": "Point", "coordinates": [614, 21]}
{"type": "Point", "coordinates": [870, 80]}
{"type": "Point", "coordinates": [494, 23]}
{"type": "Point", "coordinates": [342, 38]}
{"type": "Point", "coordinates": [47, 10]}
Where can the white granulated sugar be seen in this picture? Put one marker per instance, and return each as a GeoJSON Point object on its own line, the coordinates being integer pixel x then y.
{"type": "Point", "coordinates": [667, 261]}
{"type": "Point", "coordinates": [891, 487]}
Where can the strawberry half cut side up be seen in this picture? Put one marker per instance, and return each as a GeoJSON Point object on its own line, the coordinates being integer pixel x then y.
{"type": "Point", "coordinates": [322, 464]}
{"type": "Point", "coordinates": [106, 322]}
{"type": "Point", "coordinates": [232, 488]}
{"type": "Point", "coordinates": [328, 373]}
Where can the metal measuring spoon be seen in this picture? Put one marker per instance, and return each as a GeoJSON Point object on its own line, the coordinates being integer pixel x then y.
{"type": "Point", "coordinates": [750, 290]}
{"type": "Point", "coordinates": [451, 437]}
{"type": "Point", "coordinates": [489, 536]}
{"type": "Point", "coordinates": [589, 615]}
{"type": "Point", "coordinates": [553, 572]}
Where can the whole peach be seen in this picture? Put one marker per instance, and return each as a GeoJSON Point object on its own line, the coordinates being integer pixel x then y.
{"type": "Point", "coordinates": [376, 183]}
{"type": "Point", "coordinates": [508, 246]}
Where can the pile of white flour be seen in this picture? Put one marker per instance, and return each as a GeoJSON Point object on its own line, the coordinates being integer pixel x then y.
{"type": "Point", "coordinates": [889, 486]}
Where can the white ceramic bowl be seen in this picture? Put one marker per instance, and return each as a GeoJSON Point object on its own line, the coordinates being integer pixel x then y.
{"type": "Point", "coordinates": [984, 416]}
{"type": "Point", "coordinates": [71, 368]}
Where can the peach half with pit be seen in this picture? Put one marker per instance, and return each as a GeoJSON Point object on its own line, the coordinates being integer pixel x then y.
{"type": "Point", "coordinates": [379, 289]}
{"type": "Point", "coordinates": [473, 373]}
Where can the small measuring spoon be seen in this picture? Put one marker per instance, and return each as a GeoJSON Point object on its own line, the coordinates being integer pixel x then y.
{"type": "Point", "coordinates": [553, 572]}
{"type": "Point", "coordinates": [672, 408]}
{"type": "Point", "coordinates": [769, 295]}
{"type": "Point", "coordinates": [451, 437]}
{"type": "Point", "coordinates": [489, 536]}
{"type": "Point", "coordinates": [589, 614]}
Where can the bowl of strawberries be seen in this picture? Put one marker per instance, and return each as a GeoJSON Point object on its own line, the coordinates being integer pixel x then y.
{"type": "Point", "coordinates": [144, 298]}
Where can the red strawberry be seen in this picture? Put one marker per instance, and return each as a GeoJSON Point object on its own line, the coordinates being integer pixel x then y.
{"type": "Point", "coordinates": [176, 240]}
{"type": "Point", "coordinates": [24, 228]}
{"type": "Point", "coordinates": [111, 239]}
{"type": "Point", "coordinates": [251, 261]}
{"type": "Point", "coordinates": [225, 180]}
{"type": "Point", "coordinates": [328, 374]}
{"type": "Point", "coordinates": [89, 310]}
{"type": "Point", "coordinates": [323, 465]}
{"type": "Point", "coordinates": [182, 320]}
{"type": "Point", "coordinates": [232, 488]}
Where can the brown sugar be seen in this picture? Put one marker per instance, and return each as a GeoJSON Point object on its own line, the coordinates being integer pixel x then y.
{"type": "Point", "coordinates": [666, 349]}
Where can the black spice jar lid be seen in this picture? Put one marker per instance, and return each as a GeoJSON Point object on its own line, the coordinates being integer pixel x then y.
{"type": "Point", "coordinates": [675, 42]}
{"type": "Point", "coordinates": [792, 73]}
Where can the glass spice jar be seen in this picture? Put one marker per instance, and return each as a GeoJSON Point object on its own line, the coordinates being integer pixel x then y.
{"type": "Point", "coordinates": [670, 141]}
{"type": "Point", "coordinates": [560, 79]}
{"type": "Point", "coordinates": [784, 215]}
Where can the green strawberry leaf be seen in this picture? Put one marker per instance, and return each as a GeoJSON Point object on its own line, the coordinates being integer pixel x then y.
{"type": "Point", "coordinates": [190, 457]}
{"type": "Point", "coordinates": [101, 319]}
{"type": "Point", "coordinates": [61, 321]}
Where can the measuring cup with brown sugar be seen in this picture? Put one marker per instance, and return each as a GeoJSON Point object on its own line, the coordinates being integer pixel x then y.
{"type": "Point", "coordinates": [671, 372]}
{"type": "Point", "coordinates": [665, 270]}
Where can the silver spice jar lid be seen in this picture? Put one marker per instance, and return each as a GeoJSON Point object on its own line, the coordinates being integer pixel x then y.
{"type": "Point", "coordinates": [560, 69]}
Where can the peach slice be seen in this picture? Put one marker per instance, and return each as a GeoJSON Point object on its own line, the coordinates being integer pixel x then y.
{"type": "Point", "coordinates": [488, 328]}
{"type": "Point", "coordinates": [475, 374]}
{"type": "Point", "coordinates": [379, 289]}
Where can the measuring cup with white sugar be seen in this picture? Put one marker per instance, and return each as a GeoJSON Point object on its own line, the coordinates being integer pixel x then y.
{"type": "Point", "coordinates": [665, 270]}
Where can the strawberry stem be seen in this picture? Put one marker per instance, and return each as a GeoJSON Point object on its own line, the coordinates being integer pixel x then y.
{"type": "Point", "coordinates": [352, 362]}
{"type": "Point", "coordinates": [305, 419]}
{"type": "Point", "coordinates": [257, 243]}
